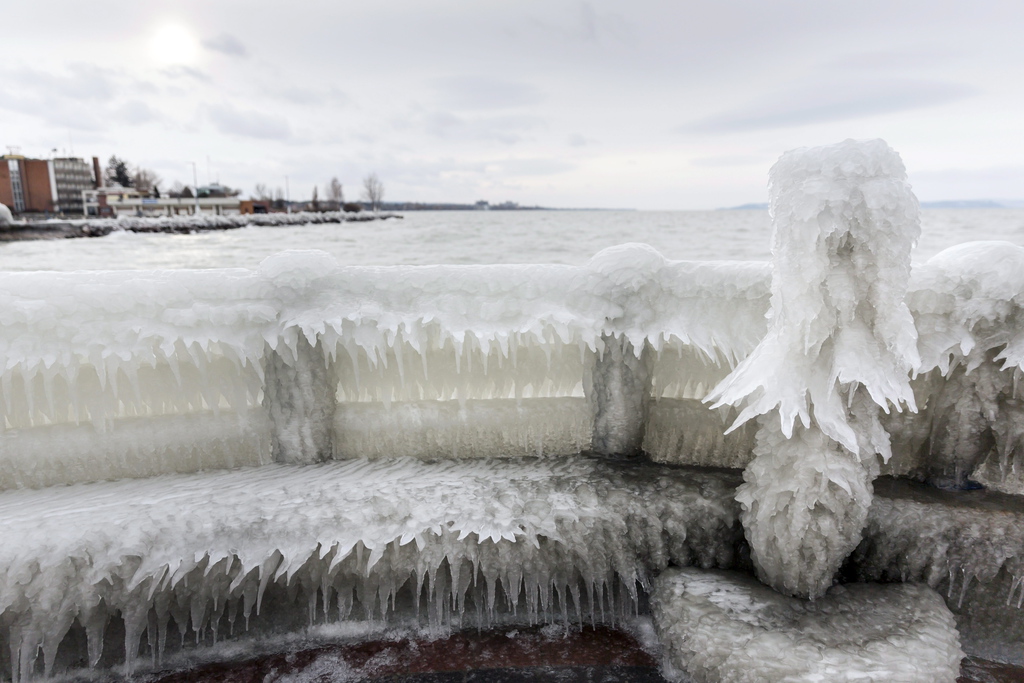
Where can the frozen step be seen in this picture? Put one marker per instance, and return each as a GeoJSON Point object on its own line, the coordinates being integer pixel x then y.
{"type": "Point", "coordinates": [725, 626]}
{"type": "Point", "coordinates": [550, 538]}
{"type": "Point", "coordinates": [968, 545]}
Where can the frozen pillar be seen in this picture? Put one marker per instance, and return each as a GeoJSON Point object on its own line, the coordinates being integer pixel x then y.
{"type": "Point", "coordinates": [840, 346]}
{"type": "Point", "coordinates": [299, 395]}
{"type": "Point", "coordinates": [619, 394]}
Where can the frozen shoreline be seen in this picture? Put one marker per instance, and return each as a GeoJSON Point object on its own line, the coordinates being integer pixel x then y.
{"type": "Point", "coordinates": [100, 227]}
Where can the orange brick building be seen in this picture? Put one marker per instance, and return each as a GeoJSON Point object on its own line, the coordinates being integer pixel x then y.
{"type": "Point", "coordinates": [43, 186]}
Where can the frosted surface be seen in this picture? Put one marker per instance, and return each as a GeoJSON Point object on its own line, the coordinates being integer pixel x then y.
{"type": "Point", "coordinates": [544, 537]}
{"type": "Point", "coordinates": [727, 627]}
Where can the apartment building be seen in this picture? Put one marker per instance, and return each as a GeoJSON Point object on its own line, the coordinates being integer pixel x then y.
{"type": "Point", "coordinates": [44, 185]}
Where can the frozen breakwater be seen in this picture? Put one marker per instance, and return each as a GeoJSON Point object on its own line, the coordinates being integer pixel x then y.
{"type": "Point", "coordinates": [100, 227]}
{"type": "Point", "coordinates": [307, 441]}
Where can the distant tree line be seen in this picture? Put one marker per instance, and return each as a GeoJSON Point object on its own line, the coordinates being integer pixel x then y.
{"type": "Point", "coordinates": [120, 173]}
{"type": "Point", "coordinates": [333, 196]}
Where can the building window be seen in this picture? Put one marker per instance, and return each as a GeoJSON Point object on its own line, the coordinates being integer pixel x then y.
{"type": "Point", "coordinates": [19, 197]}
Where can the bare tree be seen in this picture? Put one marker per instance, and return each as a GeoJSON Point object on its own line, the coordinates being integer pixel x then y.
{"type": "Point", "coordinates": [373, 191]}
{"type": "Point", "coordinates": [177, 189]}
{"type": "Point", "coordinates": [316, 200]}
{"type": "Point", "coordinates": [335, 193]}
{"type": "Point", "coordinates": [144, 180]}
{"type": "Point", "coordinates": [262, 192]}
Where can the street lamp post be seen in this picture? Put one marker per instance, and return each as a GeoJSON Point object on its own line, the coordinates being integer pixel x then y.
{"type": "Point", "coordinates": [195, 186]}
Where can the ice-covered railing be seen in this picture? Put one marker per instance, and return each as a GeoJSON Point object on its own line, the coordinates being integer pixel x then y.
{"type": "Point", "coordinates": [302, 359]}
{"type": "Point", "coordinates": [105, 375]}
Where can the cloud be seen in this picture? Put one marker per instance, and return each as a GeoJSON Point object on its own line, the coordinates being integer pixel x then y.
{"type": "Point", "coordinates": [84, 82]}
{"type": "Point", "coordinates": [835, 101]}
{"type": "Point", "coordinates": [227, 44]}
{"type": "Point", "coordinates": [316, 96]}
{"type": "Point", "coordinates": [729, 160]}
{"type": "Point", "coordinates": [577, 140]}
{"type": "Point", "coordinates": [482, 92]}
{"type": "Point", "coordinates": [507, 130]}
{"type": "Point", "coordinates": [135, 112]}
{"type": "Point", "coordinates": [533, 167]}
{"type": "Point", "coordinates": [249, 123]}
{"type": "Point", "coordinates": [181, 71]}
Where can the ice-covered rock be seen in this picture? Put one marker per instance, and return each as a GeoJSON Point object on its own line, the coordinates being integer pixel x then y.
{"type": "Point", "coordinates": [841, 343]}
{"type": "Point", "coordinates": [726, 627]}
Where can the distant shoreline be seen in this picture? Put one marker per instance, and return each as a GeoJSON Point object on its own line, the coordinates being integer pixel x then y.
{"type": "Point", "coordinates": [177, 225]}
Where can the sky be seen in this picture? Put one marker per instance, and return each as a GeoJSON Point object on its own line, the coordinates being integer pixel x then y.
{"type": "Point", "coordinates": [676, 105]}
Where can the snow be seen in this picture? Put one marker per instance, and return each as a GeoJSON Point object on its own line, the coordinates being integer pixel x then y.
{"type": "Point", "coordinates": [101, 226]}
{"type": "Point", "coordinates": [724, 626]}
{"type": "Point", "coordinates": [548, 538]}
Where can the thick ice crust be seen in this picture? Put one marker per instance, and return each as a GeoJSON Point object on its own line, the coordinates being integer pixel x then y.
{"type": "Point", "coordinates": [841, 344]}
{"type": "Point", "coordinates": [573, 536]}
{"type": "Point", "coordinates": [99, 348]}
{"type": "Point", "coordinates": [688, 432]}
{"type": "Point", "coordinates": [844, 220]}
{"type": "Point", "coordinates": [944, 538]}
{"type": "Point", "coordinates": [136, 345]}
{"type": "Point", "coordinates": [435, 430]}
{"type": "Point", "coordinates": [726, 627]}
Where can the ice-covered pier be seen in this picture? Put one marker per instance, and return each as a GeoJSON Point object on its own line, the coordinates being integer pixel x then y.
{"type": "Point", "coordinates": [201, 452]}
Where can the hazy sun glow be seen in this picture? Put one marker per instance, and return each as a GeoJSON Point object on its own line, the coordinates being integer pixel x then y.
{"type": "Point", "coordinates": [173, 44]}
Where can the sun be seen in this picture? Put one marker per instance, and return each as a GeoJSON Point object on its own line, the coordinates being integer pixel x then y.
{"type": "Point", "coordinates": [173, 44]}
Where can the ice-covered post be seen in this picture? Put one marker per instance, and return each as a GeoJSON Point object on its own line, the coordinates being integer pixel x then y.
{"type": "Point", "coordinates": [299, 397]}
{"type": "Point", "coordinates": [840, 344]}
{"type": "Point", "coordinates": [619, 394]}
{"type": "Point", "coordinates": [299, 379]}
{"type": "Point", "coordinates": [618, 389]}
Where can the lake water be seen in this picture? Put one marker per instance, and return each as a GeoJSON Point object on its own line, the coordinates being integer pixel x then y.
{"type": "Point", "coordinates": [429, 237]}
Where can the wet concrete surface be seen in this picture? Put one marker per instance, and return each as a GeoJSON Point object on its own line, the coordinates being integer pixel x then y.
{"type": "Point", "coordinates": [590, 655]}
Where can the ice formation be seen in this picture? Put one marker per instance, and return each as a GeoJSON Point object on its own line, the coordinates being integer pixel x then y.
{"type": "Point", "coordinates": [841, 342]}
{"type": "Point", "coordinates": [967, 304]}
{"type": "Point", "coordinates": [553, 539]}
{"type": "Point", "coordinates": [5, 216]}
{"type": "Point", "coordinates": [948, 540]}
{"type": "Point", "coordinates": [374, 412]}
{"type": "Point", "coordinates": [103, 226]}
{"type": "Point", "coordinates": [303, 345]}
{"type": "Point", "coordinates": [726, 627]}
